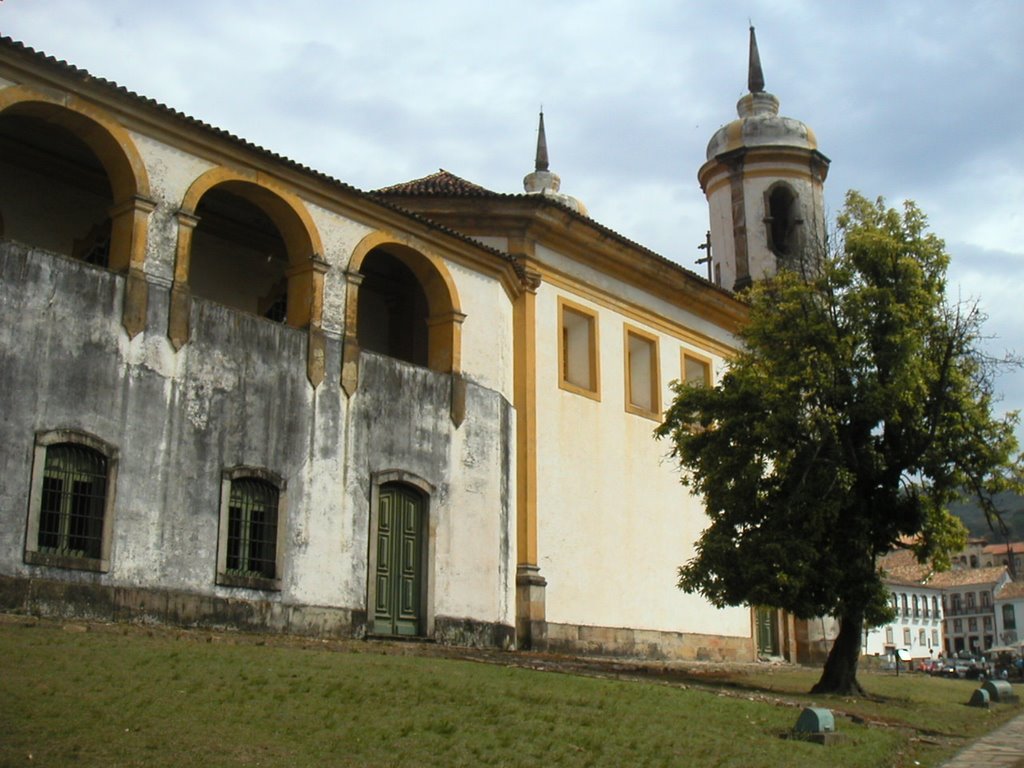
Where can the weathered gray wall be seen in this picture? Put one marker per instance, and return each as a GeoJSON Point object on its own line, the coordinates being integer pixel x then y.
{"type": "Point", "coordinates": [237, 394]}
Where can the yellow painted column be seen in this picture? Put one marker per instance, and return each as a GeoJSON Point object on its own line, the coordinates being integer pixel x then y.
{"type": "Point", "coordinates": [350, 346]}
{"type": "Point", "coordinates": [129, 228]}
{"type": "Point", "coordinates": [530, 584]}
{"type": "Point", "coordinates": [181, 305]}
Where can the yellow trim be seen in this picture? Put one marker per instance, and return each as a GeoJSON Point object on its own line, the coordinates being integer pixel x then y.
{"type": "Point", "coordinates": [636, 313]}
{"type": "Point", "coordinates": [446, 316]}
{"type": "Point", "coordinates": [654, 412]}
{"type": "Point", "coordinates": [709, 376]}
{"type": "Point", "coordinates": [524, 318]}
{"type": "Point", "coordinates": [594, 347]}
{"type": "Point", "coordinates": [114, 148]}
{"type": "Point", "coordinates": [290, 216]}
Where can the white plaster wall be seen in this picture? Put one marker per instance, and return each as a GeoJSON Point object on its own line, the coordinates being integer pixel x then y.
{"type": "Point", "coordinates": [340, 236]}
{"type": "Point", "coordinates": [474, 574]}
{"type": "Point", "coordinates": [501, 243]}
{"type": "Point", "coordinates": [723, 247]}
{"type": "Point", "coordinates": [614, 523]}
{"type": "Point", "coordinates": [1013, 635]}
{"type": "Point", "coordinates": [487, 330]}
{"type": "Point", "coordinates": [171, 172]}
{"type": "Point", "coordinates": [628, 294]}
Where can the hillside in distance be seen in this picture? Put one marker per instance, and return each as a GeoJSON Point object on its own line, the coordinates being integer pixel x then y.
{"type": "Point", "coordinates": [1011, 507]}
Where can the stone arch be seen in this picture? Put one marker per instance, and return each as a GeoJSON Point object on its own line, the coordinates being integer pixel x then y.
{"type": "Point", "coordinates": [116, 152]}
{"type": "Point", "coordinates": [444, 313]}
{"type": "Point", "coordinates": [299, 238]}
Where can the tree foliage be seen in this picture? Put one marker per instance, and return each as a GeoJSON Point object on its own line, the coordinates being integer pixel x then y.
{"type": "Point", "coordinates": [859, 406]}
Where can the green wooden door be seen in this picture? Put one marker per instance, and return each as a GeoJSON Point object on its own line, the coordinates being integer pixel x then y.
{"type": "Point", "coordinates": [399, 577]}
{"type": "Point", "coordinates": [767, 631]}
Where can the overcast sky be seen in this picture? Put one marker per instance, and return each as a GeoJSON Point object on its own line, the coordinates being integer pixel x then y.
{"type": "Point", "coordinates": [916, 99]}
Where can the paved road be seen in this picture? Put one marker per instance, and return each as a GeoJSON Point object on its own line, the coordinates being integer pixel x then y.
{"type": "Point", "coordinates": [1003, 748]}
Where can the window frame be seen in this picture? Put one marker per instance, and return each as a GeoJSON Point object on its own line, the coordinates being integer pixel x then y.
{"type": "Point", "coordinates": [223, 577]}
{"type": "Point", "coordinates": [43, 442]}
{"type": "Point", "coordinates": [686, 354]}
{"type": "Point", "coordinates": [591, 316]}
{"type": "Point", "coordinates": [630, 332]}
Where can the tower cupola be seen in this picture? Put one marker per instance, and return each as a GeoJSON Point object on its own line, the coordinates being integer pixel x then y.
{"type": "Point", "coordinates": [764, 180]}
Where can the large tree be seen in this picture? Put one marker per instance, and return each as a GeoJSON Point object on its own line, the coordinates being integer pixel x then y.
{"type": "Point", "coordinates": [858, 407]}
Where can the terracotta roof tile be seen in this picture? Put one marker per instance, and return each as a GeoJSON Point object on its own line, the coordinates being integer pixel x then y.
{"type": "Point", "coordinates": [441, 184]}
{"type": "Point", "coordinates": [83, 76]}
{"type": "Point", "coordinates": [1017, 547]}
{"type": "Point", "coordinates": [967, 576]}
{"type": "Point", "coordinates": [902, 567]}
{"type": "Point", "coordinates": [1011, 590]}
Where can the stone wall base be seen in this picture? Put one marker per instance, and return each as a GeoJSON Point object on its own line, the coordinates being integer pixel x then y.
{"type": "Point", "coordinates": [98, 602]}
{"type": "Point", "coordinates": [643, 643]}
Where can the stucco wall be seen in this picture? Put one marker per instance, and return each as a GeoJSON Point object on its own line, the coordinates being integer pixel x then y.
{"type": "Point", "coordinates": [237, 394]}
{"type": "Point", "coordinates": [614, 523]}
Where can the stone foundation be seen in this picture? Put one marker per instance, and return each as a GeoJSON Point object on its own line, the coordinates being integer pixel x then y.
{"type": "Point", "coordinates": [96, 602]}
{"type": "Point", "coordinates": [643, 643]}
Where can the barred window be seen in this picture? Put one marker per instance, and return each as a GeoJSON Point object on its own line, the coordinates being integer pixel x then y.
{"type": "Point", "coordinates": [252, 512]}
{"type": "Point", "coordinates": [73, 500]}
{"type": "Point", "coordinates": [252, 528]}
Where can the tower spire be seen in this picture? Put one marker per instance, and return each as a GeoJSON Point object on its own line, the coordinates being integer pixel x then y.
{"type": "Point", "coordinates": [542, 146]}
{"type": "Point", "coordinates": [755, 77]}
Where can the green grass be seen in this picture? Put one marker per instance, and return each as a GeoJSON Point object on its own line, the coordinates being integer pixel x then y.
{"type": "Point", "coordinates": [127, 696]}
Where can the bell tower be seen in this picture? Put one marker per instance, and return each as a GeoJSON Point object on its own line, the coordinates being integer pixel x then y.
{"type": "Point", "coordinates": [764, 182]}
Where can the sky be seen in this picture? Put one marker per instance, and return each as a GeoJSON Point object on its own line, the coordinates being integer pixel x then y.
{"type": "Point", "coordinates": [910, 99]}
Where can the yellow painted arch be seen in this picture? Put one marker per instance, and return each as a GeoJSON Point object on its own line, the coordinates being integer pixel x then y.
{"type": "Point", "coordinates": [286, 210]}
{"type": "Point", "coordinates": [445, 309]}
{"type": "Point", "coordinates": [109, 141]}
{"type": "Point", "coordinates": [442, 295]}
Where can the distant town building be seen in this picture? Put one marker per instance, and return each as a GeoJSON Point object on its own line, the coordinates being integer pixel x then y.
{"type": "Point", "coordinates": [917, 602]}
{"type": "Point", "coordinates": [969, 606]}
{"type": "Point", "coordinates": [1009, 613]}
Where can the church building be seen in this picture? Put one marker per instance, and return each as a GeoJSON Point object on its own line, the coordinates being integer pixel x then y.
{"type": "Point", "coordinates": [237, 392]}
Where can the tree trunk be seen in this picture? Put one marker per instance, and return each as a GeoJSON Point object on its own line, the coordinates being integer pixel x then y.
{"type": "Point", "coordinates": [840, 672]}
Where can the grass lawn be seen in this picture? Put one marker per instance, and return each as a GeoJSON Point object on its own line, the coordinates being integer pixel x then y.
{"type": "Point", "coordinates": [102, 695]}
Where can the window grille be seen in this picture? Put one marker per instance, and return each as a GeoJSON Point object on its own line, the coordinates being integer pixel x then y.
{"type": "Point", "coordinates": [73, 501]}
{"type": "Point", "coordinates": [252, 528]}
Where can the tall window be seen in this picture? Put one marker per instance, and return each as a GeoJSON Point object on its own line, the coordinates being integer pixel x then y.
{"type": "Point", "coordinates": [917, 607]}
{"type": "Point", "coordinates": [906, 636]}
{"type": "Point", "coordinates": [954, 604]}
{"type": "Point", "coordinates": [74, 496]}
{"type": "Point", "coordinates": [577, 349]}
{"type": "Point", "coordinates": [783, 220]}
{"type": "Point", "coordinates": [70, 505]}
{"type": "Point", "coordinates": [970, 601]}
{"type": "Point", "coordinates": [935, 606]}
{"type": "Point", "coordinates": [986, 599]}
{"type": "Point", "coordinates": [888, 636]}
{"type": "Point", "coordinates": [1009, 618]}
{"type": "Point", "coordinates": [643, 381]}
{"type": "Point", "coordinates": [903, 604]}
{"type": "Point", "coordinates": [249, 546]}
